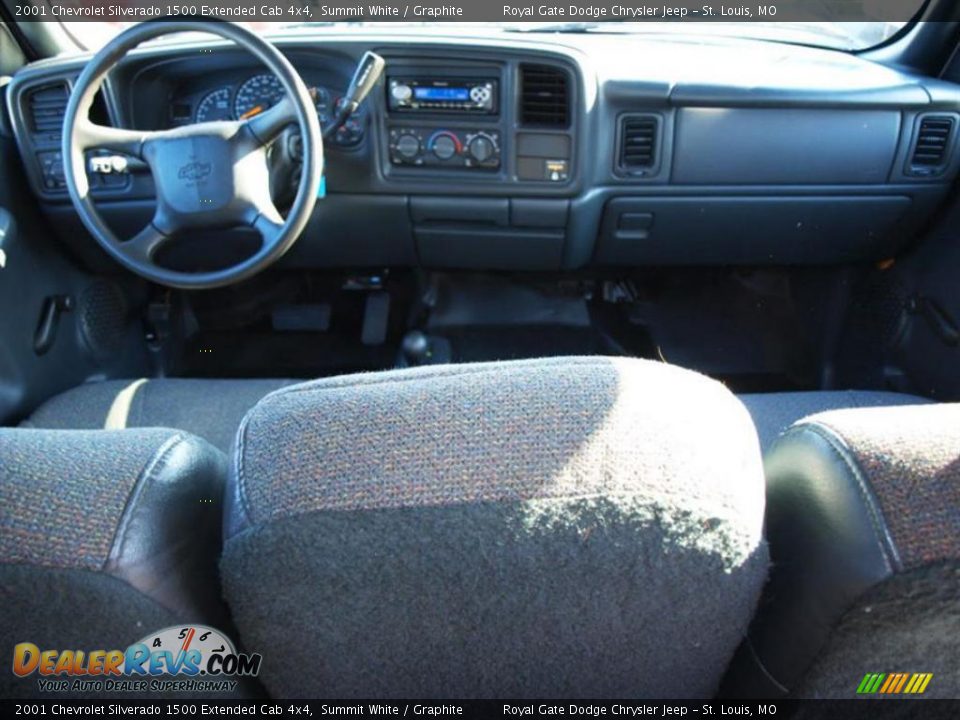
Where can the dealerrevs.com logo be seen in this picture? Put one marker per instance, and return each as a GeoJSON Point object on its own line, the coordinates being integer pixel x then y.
{"type": "Point", "coordinates": [195, 658]}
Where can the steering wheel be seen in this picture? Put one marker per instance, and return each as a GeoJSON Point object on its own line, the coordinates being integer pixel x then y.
{"type": "Point", "coordinates": [208, 175]}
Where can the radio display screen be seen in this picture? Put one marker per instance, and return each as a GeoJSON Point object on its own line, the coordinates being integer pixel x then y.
{"type": "Point", "coordinates": [441, 93]}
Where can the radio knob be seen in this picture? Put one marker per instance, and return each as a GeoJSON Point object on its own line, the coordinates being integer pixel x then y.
{"type": "Point", "coordinates": [408, 146]}
{"type": "Point", "coordinates": [480, 148]}
{"type": "Point", "coordinates": [401, 92]}
{"type": "Point", "coordinates": [444, 147]}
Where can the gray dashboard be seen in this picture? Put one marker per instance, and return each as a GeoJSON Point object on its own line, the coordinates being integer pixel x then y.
{"type": "Point", "coordinates": [673, 150]}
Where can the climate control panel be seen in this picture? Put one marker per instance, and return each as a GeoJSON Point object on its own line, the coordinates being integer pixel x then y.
{"type": "Point", "coordinates": [444, 147]}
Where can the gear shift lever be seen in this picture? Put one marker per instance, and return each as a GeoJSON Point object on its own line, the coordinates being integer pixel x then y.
{"type": "Point", "coordinates": [416, 348]}
{"type": "Point", "coordinates": [364, 78]}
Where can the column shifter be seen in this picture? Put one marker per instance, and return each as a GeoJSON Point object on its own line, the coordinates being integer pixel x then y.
{"type": "Point", "coordinates": [366, 75]}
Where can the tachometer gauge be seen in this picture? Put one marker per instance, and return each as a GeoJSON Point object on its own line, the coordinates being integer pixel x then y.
{"type": "Point", "coordinates": [214, 106]}
{"type": "Point", "coordinates": [259, 93]}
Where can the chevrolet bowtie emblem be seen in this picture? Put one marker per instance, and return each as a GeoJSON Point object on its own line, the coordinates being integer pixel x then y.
{"type": "Point", "coordinates": [194, 171]}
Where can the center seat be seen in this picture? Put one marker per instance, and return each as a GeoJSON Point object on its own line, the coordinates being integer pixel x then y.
{"type": "Point", "coordinates": [557, 528]}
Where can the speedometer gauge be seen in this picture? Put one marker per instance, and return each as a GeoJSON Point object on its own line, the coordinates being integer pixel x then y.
{"type": "Point", "coordinates": [214, 106]}
{"type": "Point", "coordinates": [259, 93]}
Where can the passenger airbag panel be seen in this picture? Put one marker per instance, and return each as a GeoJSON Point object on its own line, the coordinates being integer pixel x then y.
{"type": "Point", "coordinates": [755, 146]}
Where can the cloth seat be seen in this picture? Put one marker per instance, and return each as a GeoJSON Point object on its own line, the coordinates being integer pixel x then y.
{"type": "Point", "coordinates": [105, 537]}
{"type": "Point", "coordinates": [210, 409]}
{"type": "Point", "coordinates": [570, 527]}
{"type": "Point", "coordinates": [863, 521]}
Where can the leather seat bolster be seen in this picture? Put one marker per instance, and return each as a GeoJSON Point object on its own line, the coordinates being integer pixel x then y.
{"type": "Point", "coordinates": [169, 538]}
{"type": "Point", "coordinates": [829, 543]}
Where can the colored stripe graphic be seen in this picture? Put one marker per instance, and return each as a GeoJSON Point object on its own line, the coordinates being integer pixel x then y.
{"type": "Point", "coordinates": [903, 681]}
{"type": "Point", "coordinates": [870, 683]}
{"type": "Point", "coordinates": [890, 682]}
{"type": "Point", "coordinates": [918, 683]}
{"type": "Point", "coordinates": [894, 683]}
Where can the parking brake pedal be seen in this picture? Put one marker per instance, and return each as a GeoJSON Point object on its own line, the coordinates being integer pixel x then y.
{"type": "Point", "coordinates": [53, 307]}
{"type": "Point", "coordinates": [376, 314]}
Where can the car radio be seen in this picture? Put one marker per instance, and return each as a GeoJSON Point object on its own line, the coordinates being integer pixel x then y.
{"type": "Point", "coordinates": [446, 95]}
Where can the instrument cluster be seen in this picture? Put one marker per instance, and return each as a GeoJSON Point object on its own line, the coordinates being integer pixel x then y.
{"type": "Point", "coordinates": [257, 94]}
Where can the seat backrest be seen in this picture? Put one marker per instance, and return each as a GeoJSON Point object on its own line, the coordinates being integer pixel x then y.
{"type": "Point", "coordinates": [105, 536]}
{"type": "Point", "coordinates": [863, 520]}
{"type": "Point", "coordinates": [555, 528]}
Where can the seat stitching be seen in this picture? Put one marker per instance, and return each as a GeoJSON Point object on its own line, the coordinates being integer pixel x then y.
{"type": "Point", "coordinates": [238, 464]}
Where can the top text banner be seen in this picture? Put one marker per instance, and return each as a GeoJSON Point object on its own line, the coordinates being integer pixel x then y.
{"type": "Point", "coordinates": [586, 11]}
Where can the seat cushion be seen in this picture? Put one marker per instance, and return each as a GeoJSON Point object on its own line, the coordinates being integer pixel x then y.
{"type": "Point", "coordinates": [773, 413]}
{"type": "Point", "coordinates": [105, 536]}
{"type": "Point", "coordinates": [557, 528]}
{"type": "Point", "coordinates": [211, 409]}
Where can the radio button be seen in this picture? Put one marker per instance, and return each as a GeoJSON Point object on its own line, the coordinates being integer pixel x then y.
{"type": "Point", "coordinates": [480, 94]}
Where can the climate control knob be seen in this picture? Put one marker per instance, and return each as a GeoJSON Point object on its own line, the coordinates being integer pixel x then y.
{"type": "Point", "coordinates": [408, 146]}
{"type": "Point", "coordinates": [444, 147]}
{"type": "Point", "coordinates": [480, 148]}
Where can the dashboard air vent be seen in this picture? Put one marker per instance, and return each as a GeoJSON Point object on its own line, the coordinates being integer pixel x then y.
{"type": "Point", "coordinates": [47, 106]}
{"type": "Point", "coordinates": [544, 96]}
{"type": "Point", "coordinates": [638, 142]}
{"type": "Point", "coordinates": [932, 145]}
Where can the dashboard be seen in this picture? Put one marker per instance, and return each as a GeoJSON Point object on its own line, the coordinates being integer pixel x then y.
{"type": "Point", "coordinates": [496, 151]}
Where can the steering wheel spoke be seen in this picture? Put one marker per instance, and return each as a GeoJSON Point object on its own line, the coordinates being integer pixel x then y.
{"type": "Point", "coordinates": [143, 246]}
{"type": "Point", "coordinates": [90, 136]}
{"type": "Point", "coordinates": [269, 224]}
{"type": "Point", "coordinates": [266, 126]}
